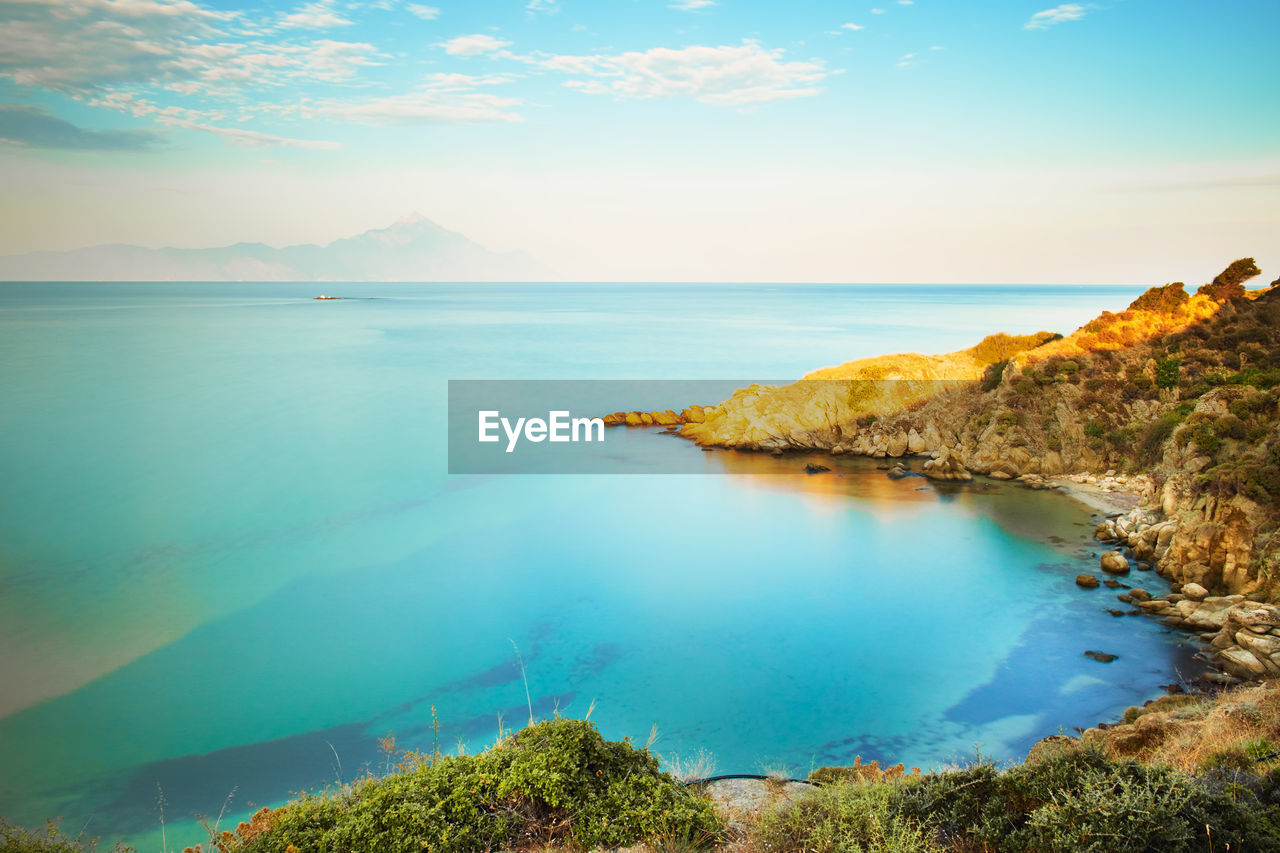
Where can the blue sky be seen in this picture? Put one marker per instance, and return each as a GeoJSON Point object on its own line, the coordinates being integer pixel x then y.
{"type": "Point", "coordinates": [681, 139]}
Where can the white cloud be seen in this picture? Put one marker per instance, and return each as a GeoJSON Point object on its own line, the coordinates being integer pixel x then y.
{"type": "Point", "coordinates": [315, 16]}
{"type": "Point", "coordinates": [426, 13]}
{"type": "Point", "coordinates": [76, 46]}
{"type": "Point", "coordinates": [691, 5]}
{"type": "Point", "coordinates": [473, 45]}
{"type": "Point", "coordinates": [877, 11]}
{"type": "Point", "coordinates": [731, 75]}
{"type": "Point", "coordinates": [852, 27]}
{"type": "Point", "coordinates": [937, 47]}
{"type": "Point", "coordinates": [907, 60]}
{"type": "Point", "coordinates": [442, 97]}
{"type": "Point", "coordinates": [906, 2]}
{"type": "Point", "coordinates": [550, 7]}
{"type": "Point", "coordinates": [1056, 15]}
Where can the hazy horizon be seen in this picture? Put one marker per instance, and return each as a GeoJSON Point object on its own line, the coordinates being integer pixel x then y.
{"type": "Point", "coordinates": [659, 140]}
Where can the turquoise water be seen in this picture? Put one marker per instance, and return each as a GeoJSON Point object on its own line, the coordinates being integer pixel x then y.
{"type": "Point", "coordinates": [231, 557]}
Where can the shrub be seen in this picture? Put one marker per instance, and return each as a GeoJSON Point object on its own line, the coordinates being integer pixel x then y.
{"type": "Point", "coordinates": [1093, 429]}
{"type": "Point", "coordinates": [1164, 300]}
{"type": "Point", "coordinates": [992, 375]}
{"type": "Point", "coordinates": [1167, 372]}
{"type": "Point", "coordinates": [1002, 347]}
{"type": "Point", "coordinates": [1229, 426]}
{"type": "Point", "coordinates": [15, 839]}
{"type": "Point", "coordinates": [1229, 284]}
{"type": "Point", "coordinates": [1157, 431]}
{"type": "Point", "coordinates": [557, 781]}
{"type": "Point", "coordinates": [1080, 800]}
{"type": "Point", "coordinates": [849, 817]}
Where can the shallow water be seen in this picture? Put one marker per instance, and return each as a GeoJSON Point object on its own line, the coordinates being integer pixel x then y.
{"type": "Point", "coordinates": [231, 558]}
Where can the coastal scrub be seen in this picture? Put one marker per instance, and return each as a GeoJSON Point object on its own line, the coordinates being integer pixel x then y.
{"type": "Point", "coordinates": [557, 782]}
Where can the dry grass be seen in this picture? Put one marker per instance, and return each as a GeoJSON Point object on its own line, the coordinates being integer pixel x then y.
{"type": "Point", "coordinates": [1193, 733]}
{"type": "Point", "coordinates": [699, 765]}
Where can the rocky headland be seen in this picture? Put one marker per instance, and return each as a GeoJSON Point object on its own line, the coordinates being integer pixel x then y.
{"type": "Point", "coordinates": [1176, 399]}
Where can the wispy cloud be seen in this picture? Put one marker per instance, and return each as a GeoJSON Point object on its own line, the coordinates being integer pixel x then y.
{"type": "Point", "coordinates": [691, 5]}
{"type": "Point", "coordinates": [1056, 15]}
{"type": "Point", "coordinates": [439, 98]}
{"type": "Point", "coordinates": [852, 27]}
{"type": "Point", "coordinates": [252, 138]}
{"type": "Point", "coordinates": [549, 7]}
{"type": "Point", "coordinates": [36, 127]}
{"type": "Point", "coordinates": [315, 16]}
{"type": "Point", "coordinates": [426, 13]}
{"type": "Point", "coordinates": [473, 45]}
{"type": "Point", "coordinates": [734, 75]}
{"type": "Point", "coordinates": [200, 120]}
{"type": "Point", "coordinates": [877, 11]}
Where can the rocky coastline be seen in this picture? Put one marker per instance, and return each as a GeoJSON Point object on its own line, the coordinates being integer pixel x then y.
{"type": "Point", "coordinates": [1171, 398]}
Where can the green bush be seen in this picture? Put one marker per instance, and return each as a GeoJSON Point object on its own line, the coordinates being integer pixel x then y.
{"type": "Point", "coordinates": [991, 376]}
{"type": "Point", "coordinates": [849, 817]}
{"type": "Point", "coordinates": [1164, 300]}
{"type": "Point", "coordinates": [1079, 800]}
{"type": "Point", "coordinates": [557, 781]}
{"type": "Point", "coordinates": [1168, 371]}
{"type": "Point", "coordinates": [1157, 431]}
{"type": "Point", "coordinates": [1229, 426]}
{"type": "Point", "coordinates": [15, 839]}
{"type": "Point", "coordinates": [1093, 429]}
{"type": "Point", "coordinates": [1229, 284]}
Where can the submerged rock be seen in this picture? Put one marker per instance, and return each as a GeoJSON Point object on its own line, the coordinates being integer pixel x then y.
{"type": "Point", "coordinates": [814, 468]}
{"type": "Point", "coordinates": [1100, 657]}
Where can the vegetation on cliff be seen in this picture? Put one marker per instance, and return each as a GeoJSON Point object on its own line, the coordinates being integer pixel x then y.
{"type": "Point", "coordinates": [1181, 774]}
{"type": "Point", "coordinates": [556, 782]}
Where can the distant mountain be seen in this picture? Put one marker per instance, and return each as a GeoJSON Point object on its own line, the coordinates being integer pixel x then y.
{"type": "Point", "coordinates": [412, 249]}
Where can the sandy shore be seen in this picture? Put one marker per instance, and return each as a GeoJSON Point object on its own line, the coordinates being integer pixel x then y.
{"type": "Point", "coordinates": [1106, 495]}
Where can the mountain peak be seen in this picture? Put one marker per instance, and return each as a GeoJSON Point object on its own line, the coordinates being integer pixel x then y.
{"type": "Point", "coordinates": [411, 219]}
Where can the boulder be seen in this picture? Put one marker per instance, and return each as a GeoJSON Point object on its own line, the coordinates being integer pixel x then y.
{"type": "Point", "coordinates": [1086, 581]}
{"type": "Point", "coordinates": [1114, 563]}
{"type": "Point", "coordinates": [814, 468]}
{"type": "Point", "coordinates": [1194, 591]}
{"type": "Point", "coordinates": [1100, 657]}
{"type": "Point", "coordinates": [946, 465]}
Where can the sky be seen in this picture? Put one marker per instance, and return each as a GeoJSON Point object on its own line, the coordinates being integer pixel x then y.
{"type": "Point", "coordinates": [1125, 141]}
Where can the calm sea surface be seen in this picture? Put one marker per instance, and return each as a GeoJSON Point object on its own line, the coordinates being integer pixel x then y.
{"type": "Point", "coordinates": [231, 557]}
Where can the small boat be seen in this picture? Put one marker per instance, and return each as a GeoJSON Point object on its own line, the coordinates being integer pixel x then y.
{"type": "Point", "coordinates": [322, 296]}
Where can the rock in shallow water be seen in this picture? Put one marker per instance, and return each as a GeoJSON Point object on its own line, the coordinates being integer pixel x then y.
{"type": "Point", "coordinates": [1114, 562]}
{"type": "Point", "coordinates": [1086, 581]}
{"type": "Point", "coordinates": [1100, 657]}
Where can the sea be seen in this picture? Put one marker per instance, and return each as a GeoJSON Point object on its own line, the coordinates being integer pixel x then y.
{"type": "Point", "coordinates": [234, 564]}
